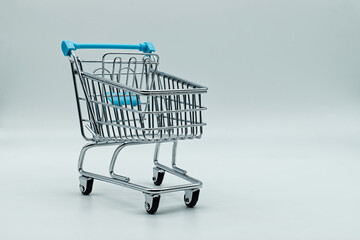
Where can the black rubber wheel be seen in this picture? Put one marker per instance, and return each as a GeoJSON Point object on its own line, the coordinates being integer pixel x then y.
{"type": "Point", "coordinates": [155, 205]}
{"type": "Point", "coordinates": [86, 190]}
{"type": "Point", "coordinates": [159, 179]}
{"type": "Point", "coordinates": [194, 199]}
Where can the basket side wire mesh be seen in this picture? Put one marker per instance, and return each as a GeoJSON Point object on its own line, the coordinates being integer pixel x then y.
{"type": "Point", "coordinates": [113, 112]}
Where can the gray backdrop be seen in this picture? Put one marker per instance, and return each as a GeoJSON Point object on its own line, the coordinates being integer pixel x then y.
{"type": "Point", "coordinates": [280, 155]}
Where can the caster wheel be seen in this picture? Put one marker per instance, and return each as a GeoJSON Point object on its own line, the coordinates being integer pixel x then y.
{"type": "Point", "coordinates": [191, 197]}
{"type": "Point", "coordinates": [158, 176]}
{"type": "Point", "coordinates": [152, 203]}
{"type": "Point", "coordinates": [86, 185]}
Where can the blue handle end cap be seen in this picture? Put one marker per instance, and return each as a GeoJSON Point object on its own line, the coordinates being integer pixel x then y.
{"type": "Point", "coordinates": [67, 46]}
{"type": "Point", "coordinates": [147, 47]}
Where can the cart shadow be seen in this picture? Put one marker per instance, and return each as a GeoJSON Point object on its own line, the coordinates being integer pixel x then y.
{"type": "Point", "coordinates": [177, 209]}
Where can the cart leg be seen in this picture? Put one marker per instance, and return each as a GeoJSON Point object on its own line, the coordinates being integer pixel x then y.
{"type": "Point", "coordinates": [173, 160]}
{"type": "Point", "coordinates": [191, 195]}
{"type": "Point", "coordinates": [158, 173]}
{"type": "Point", "coordinates": [86, 183]}
{"type": "Point", "coordinates": [112, 164]}
{"type": "Point", "coordinates": [82, 155]}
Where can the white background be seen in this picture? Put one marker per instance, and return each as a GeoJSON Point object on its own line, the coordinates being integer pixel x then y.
{"type": "Point", "coordinates": [279, 158]}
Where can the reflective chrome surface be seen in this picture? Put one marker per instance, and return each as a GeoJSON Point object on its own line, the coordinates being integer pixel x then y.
{"type": "Point", "coordinates": [157, 107]}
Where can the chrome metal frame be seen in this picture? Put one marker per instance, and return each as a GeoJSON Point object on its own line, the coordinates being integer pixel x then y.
{"type": "Point", "coordinates": [125, 181]}
{"type": "Point", "coordinates": [161, 108]}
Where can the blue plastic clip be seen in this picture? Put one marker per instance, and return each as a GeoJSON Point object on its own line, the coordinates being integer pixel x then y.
{"type": "Point", "coordinates": [114, 99]}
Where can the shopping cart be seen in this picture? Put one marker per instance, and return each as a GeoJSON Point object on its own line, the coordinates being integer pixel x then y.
{"type": "Point", "coordinates": [123, 99]}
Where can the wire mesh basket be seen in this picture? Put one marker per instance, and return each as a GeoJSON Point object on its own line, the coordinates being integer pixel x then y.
{"type": "Point", "coordinates": [124, 97]}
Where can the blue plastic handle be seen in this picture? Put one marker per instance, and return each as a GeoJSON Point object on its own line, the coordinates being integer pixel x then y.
{"type": "Point", "coordinates": [67, 46]}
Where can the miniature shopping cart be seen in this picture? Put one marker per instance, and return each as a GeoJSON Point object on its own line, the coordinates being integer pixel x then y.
{"type": "Point", "coordinates": [123, 99]}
